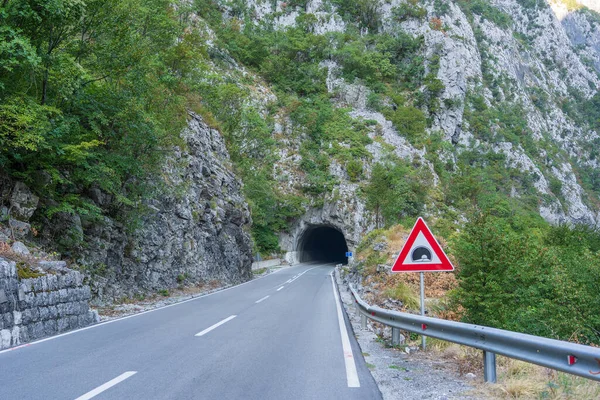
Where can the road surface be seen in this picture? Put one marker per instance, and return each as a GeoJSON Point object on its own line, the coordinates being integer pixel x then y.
{"type": "Point", "coordinates": [278, 337]}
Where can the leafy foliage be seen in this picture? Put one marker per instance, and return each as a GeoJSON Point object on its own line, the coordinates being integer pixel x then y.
{"type": "Point", "coordinates": [92, 93]}
{"type": "Point", "coordinates": [365, 13]}
{"type": "Point", "coordinates": [395, 190]}
{"type": "Point", "coordinates": [541, 280]}
{"type": "Point", "coordinates": [410, 9]}
{"type": "Point", "coordinates": [486, 11]}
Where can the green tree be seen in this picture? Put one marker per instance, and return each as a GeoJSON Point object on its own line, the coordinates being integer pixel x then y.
{"type": "Point", "coordinates": [395, 191]}
{"type": "Point", "coordinates": [93, 93]}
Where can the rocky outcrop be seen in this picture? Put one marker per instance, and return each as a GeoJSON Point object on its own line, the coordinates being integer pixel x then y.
{"type": "Point", "coordinates": [539, 61]}
{"type": "Point", "coordinates": [53, 302]}
{"type": "Point", "coordinates": [195, 230]}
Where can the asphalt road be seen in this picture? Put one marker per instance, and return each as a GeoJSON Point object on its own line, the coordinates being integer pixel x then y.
{"type": "Point", "coordinates": [233, 344]}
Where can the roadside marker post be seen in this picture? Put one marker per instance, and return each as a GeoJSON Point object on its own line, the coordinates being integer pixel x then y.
{"type": "Point", "coordinates": [422, 253]}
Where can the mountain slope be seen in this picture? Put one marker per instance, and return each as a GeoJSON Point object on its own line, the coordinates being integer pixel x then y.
{"type": "Point", "coordinates": [485, 98]}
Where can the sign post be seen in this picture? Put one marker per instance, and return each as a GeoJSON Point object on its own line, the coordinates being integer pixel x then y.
{"type": "Point", "coordinates": [422, 304]}
{"type": "Point", "coordinates": [422, 253]}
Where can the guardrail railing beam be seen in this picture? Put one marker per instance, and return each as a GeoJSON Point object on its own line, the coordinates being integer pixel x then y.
{"type": "Point", "coordinates": [572, 358]}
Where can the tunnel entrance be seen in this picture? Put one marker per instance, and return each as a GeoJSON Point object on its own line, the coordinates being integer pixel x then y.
{"type": "Point", "coordinates": [323, 244]}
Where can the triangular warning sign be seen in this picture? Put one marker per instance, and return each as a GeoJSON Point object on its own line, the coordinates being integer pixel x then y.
{"type": "Point", "coordinates": [421, 252]}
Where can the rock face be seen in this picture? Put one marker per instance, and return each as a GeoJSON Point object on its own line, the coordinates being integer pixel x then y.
{"type": "Point", "coordinates": [546, 57]}
{"type": "Point", "coordinates": [195, 231]}
{"type": "Point", "coordinates": [37, 307]}
{"type": "Point", "coordinates": [23, 202]}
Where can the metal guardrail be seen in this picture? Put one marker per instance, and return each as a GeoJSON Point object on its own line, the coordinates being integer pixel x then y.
{"type": "Point", "coordinates": [563, 356]}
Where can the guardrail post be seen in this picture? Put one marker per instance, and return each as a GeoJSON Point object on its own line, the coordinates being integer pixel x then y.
{"type": "Point", "coordinates": [363, 321]}
{"type": "Point", "coordinates": [356, 307]}
{"type": "Point", "coordinates": [395, 336]}
{"type": "Point", "coordinates": [489, 367]}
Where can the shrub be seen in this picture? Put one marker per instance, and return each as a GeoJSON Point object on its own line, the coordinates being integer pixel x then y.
{"type": "Point", "coordinates": [540, 281]}
{"type": "Point", "coordinates": [410, 9]}
{"type": "Point", "coordinates": [354, 169]}
{"type": "Point", "coordinates": [409, 121]}
{"type": "Point", "coordinates": [395, 190]}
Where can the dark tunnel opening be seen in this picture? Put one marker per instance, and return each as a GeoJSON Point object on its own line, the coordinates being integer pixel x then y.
{"type": "Point", "coordinates": [323, 244]}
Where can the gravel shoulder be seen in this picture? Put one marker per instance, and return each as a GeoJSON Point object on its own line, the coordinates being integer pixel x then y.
{"type": "Point", "coordinates": [416, 375]}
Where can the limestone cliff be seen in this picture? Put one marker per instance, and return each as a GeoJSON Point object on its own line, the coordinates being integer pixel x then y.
{"type": "Point", "coordinates": [195, 231]}
{"type": "Point", "coordinates": [540, 59]}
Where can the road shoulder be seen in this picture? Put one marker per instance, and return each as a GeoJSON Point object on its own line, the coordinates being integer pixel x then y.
{"type": "Point", "coordinates": [136, 306]}
{"type": "Point", "coordinates": [401, 375]}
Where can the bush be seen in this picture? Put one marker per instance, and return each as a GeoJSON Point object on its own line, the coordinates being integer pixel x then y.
{"type": "Point", "coordinates": [363, 12]}
{"type": "Point", "coordinates": [487, 11]}
{"type": "Point", "coordinates": [395, 190]}
{"type": "Point", "coordinates": [409, 121]}
{"type": "Point", "coordinates": [354, 169]}
{"type": "Point", "coordinates": [540, 281]}
{"type": "Point", "coordinates": [410, 9]}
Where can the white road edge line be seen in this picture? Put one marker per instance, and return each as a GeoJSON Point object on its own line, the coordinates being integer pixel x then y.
{"type": "Point", "coordinates": [351, 374]}
{"type": "Point", "coordinates": [218, 324]}
{"type": "Point", "coordinates": [264, 298]}
{"type": "Point", "coordinates": [107, 385]}
{"type": "Point", "coordinates": [135, 315]}
{"type": "Point", "coordinates": [280, 288]}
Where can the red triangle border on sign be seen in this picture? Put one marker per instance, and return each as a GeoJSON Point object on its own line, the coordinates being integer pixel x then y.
{"type": "Point", "coordinates": [442, 266]}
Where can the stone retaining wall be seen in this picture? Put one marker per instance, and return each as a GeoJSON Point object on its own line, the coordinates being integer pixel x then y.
{"type": "Point", "coordinates": [266, 264]}
{"type": "Point", "coordinates": [34, 308]}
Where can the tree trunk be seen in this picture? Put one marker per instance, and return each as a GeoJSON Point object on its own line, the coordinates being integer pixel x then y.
{"type": "Point", "coordinates": [44, 86]}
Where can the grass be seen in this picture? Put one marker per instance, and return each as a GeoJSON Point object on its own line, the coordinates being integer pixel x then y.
{"type": "Point", "coordinates": [26, 272]}
{"type": "Point", "coordinates": [405, 294]}
{"type": "Point", "coordinates": [370, 366]}
{"type": "Point", "coordinates": [259, 271]}
{"type": "Point", "coordinates": [516, 379]}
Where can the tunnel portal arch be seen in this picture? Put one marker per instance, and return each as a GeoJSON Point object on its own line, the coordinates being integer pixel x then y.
{"type": "Point", "coordinates": [322, 243]}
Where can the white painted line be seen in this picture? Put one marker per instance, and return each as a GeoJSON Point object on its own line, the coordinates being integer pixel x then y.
{"type": "Point", "coordinates": [218, 324]}
{"type": "Point", "coordinates": [292, 279]}
{"type": "Point", "coordinates": [351, 374]}
{"type": "Point", "coordinates": [280, 288]}
{"type": "Point", "coordinates": [107, 385]}
{"type": "Point", "coordinates": [137, 315]}
{"type": "Point", "coordinates": [264, 298]}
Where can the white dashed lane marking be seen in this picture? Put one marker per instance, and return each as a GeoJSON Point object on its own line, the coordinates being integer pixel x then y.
{"type": "Point", "coordinates": [218, 324]}
{"type": "Point", "coordinates": [264, 298]}
{"type": "Point", "coordinates": [107, 385]}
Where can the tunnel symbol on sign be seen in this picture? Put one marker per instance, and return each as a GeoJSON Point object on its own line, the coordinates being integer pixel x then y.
{"type": "Point", "coordinates": [421, 254]}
